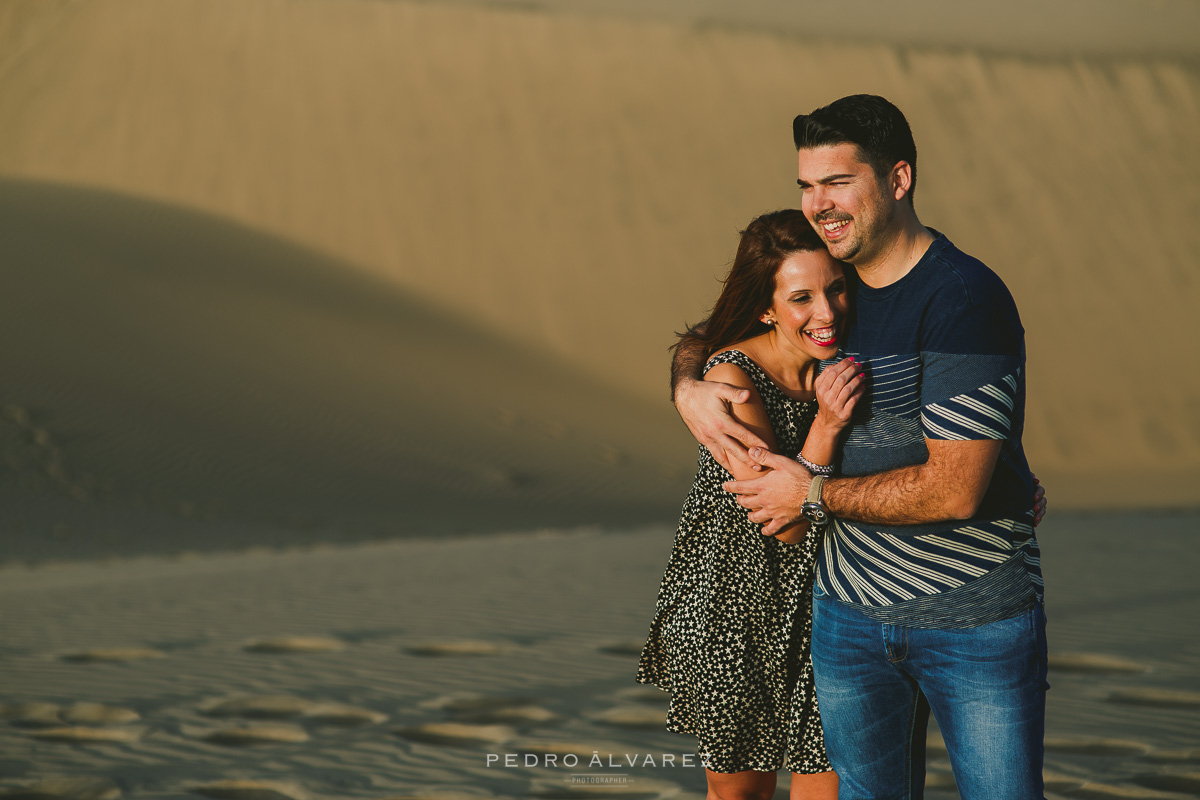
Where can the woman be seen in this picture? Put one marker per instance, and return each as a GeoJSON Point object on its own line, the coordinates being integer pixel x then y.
{"type": "Point", "coordinates": [730, 637]}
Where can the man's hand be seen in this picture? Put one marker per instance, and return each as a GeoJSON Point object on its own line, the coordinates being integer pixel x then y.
{"type": "Point", "coordinates": [1039, 501]}
{"type": "Point", "coordinates": [775, 499]}
{"type": "Point", "coordinates": [704, 407]}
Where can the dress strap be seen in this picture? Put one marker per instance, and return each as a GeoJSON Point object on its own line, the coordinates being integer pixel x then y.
{"type": "Point", "coordinates": [758, 377]}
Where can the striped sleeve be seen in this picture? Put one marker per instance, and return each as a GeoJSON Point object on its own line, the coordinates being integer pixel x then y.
{"type": "Point", "coordinates": [985, 412]}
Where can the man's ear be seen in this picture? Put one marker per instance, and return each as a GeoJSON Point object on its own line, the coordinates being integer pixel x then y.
{"type": "Point", "coordinates": [901, 179]}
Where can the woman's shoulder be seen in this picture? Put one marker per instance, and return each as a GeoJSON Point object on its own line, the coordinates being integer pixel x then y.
{"type": "Point", "coordinates": [738, 358]}
{"type": "Point", "coordinates": [736, 366]}
{"type": "Point", "coordinates": [740, 354]}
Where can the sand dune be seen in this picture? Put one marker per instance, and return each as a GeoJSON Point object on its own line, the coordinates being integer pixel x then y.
{"type": "Point", "coordinates": [574, 185]}
{"type": "Point", "coordinates": [161, 362]}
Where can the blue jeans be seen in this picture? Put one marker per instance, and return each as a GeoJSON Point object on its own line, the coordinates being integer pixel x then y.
{"type": "Point", "coordinates": [986, 686]}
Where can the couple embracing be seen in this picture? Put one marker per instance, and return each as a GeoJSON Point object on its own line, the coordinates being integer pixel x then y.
{"type": "Point", "coordinates": [873, 556]}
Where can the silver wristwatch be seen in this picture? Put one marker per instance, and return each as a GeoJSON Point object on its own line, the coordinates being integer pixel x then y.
{"type": "Point", "coordinates": [813, 509]}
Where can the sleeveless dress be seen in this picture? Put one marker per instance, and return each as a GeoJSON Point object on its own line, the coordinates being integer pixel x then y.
{"type": "Point", "coordinates": [731, 631]}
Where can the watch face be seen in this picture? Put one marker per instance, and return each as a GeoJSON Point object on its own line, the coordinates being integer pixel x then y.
{"type": "Point", "coordinates": [814, 513]}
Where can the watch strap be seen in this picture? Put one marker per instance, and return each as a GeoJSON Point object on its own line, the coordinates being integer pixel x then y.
{"type": "Point", "coordinates": [814, 491]}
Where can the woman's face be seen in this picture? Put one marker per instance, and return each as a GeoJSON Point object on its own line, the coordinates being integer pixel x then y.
{"type": "Point", "coordinates": [810, 303]}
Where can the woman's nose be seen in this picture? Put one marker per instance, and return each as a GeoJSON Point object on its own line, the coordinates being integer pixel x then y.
{"type": "Point", "coordinates": [823, 310]}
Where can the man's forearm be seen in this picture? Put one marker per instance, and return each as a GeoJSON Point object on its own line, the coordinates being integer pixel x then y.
{"type": "Point", "coordinates": [949, 486]}
{"type": "Point", "coordinates": [896, 497]}
{"type": "Point", "coordinates": [688, 362]}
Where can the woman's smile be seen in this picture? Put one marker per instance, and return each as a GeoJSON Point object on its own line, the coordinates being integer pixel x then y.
{"type": "Point", "coordinates": [809, 304]}
{"type": "Point", "coordinates": [824, 337]}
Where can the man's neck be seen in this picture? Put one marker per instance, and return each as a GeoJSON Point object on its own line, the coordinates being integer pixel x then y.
{"type": "Point", "coordinates": [904, 248]}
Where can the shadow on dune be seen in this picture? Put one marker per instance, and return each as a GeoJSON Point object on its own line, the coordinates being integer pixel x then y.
{"type": "Point", "coordinates": [160, 364]}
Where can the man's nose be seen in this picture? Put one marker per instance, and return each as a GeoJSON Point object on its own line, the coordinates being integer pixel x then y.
{"type": "Point", "coordinates": [819, 199]}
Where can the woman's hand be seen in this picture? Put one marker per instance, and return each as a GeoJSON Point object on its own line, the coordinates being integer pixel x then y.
{"type": "Point", "coordinates": [793, 535]}
{"type": "Point", "coordinates": [839, 388]}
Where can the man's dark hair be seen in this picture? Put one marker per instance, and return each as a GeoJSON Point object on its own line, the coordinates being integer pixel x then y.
{"type": "Point", "coordinates": [870, 122]}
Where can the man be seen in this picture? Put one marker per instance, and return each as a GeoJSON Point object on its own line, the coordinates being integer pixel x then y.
{"type": "Point", "coordinates": [928, 581]}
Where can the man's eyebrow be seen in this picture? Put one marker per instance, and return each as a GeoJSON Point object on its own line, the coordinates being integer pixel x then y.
{"type": "Point", "coordinates": [826, 179]}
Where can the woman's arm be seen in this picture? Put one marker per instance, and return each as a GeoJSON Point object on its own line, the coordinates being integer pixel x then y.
{"type": "Point", "coordinates": [839, 387]}
{"type": "Point", "coordinates": [752, 414]}
{"type": "Point", "coordinates": [706, 406]}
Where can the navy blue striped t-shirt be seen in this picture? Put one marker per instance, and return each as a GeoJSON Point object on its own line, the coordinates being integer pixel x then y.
{"type": "Point", "coordinates": [944, 351]}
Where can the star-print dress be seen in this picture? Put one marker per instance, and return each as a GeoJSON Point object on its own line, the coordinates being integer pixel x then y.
{"type": "Point", "coordinates": [731, 631]}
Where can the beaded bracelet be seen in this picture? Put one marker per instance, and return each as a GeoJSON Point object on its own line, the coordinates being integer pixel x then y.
{"type": "Point", "coordinates": [815, 469]}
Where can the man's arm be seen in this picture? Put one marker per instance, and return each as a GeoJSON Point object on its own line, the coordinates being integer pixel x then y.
{"type": "Point", "coordinates": [688, 362]}
{"type": "Point", "coordinates": [705, 406]}
{"type": "Point", "coordinates": [950, 485]}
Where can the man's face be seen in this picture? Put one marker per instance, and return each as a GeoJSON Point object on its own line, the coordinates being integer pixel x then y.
{"type": "Point", "coordinates": [845, 201]}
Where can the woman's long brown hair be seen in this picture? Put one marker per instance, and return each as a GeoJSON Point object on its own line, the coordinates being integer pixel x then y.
{"type": "Point", "coordinates": [766, 243]}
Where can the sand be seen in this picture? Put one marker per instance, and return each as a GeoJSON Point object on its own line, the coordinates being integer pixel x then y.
{"type": "Point", "coordinates": [396, 669]}
{"type": "Point", "coordinates": [335, 455]}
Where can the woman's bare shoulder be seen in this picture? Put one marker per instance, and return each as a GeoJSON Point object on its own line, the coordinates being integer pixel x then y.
{"type": "Point", "coordinates": [728, 372]}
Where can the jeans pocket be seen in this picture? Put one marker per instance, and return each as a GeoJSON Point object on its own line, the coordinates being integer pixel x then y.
{"type": "Point", "coordinates": [817, 590]}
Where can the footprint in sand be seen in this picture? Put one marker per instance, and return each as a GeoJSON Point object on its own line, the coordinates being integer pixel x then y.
{"type": "Point", "coordinates": [640, 717]}
{"type": "Point", "coordinates": [282, 706]}
{"type": "Point", "coordinates": [250, 735]}
{"type": "Point", "coordinates": [250, 790]}
{"type": "Point", "coordinates": [343, 715]}
{"type": "Point", "coordinates": [31, 715]}
{"type": "Point", "coordinates": [459, 647]}
{"type": "Point", "coordinates": [65, 789]}
{"type": "Point", "coordinates": [1185, 782]}
{"type": "Point", "coordinates": [1096, 746]}
{"type": "Point", "coordinates": [285, 645]}
{"type": "Point", "coordinates": [81, 735]}
{"type": "Point", "coordinates": [628, 648]}
{"type": "Point", "coordinates": [108, 655]}
{"type": "Point", "coordinates": [649, 695]}
{"type": "Point", "coordinates": [1170, 756]}
{"type": "Point", "coordinates": [97, 714]}
{"type": "Point", "coordinates": [457, 733]}
{"type": "Point", "coordinates": [488, 709]}
{"type": "Point", "coordinates": [511, 715]}
{"type": "Point", "coordinates": [1156, 698]}
{"type": "Point", "coordinates": [1058, 782]}
{"type": "Point", "coordinates": [268, 706]}
{"type": "Point", "coordinates": [49, 715]}
{"type": "Point", "coordinates": [1094, 663]}
{"type": "Point", "coordinates": [470, 702]}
